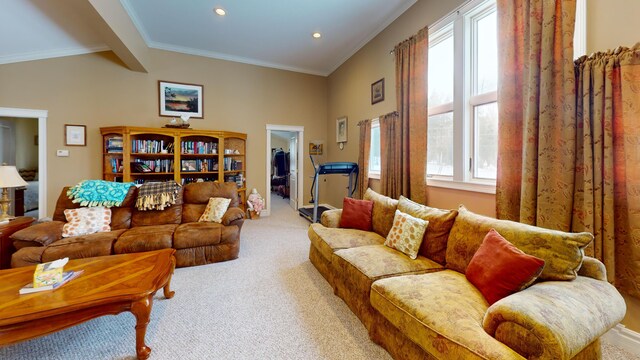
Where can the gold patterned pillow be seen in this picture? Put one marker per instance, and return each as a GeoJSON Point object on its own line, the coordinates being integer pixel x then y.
{"type": "Point", "coordinates": [384, 209]}
{"type": "Point", "coordinates": [561, 251]}
{"type": "Point", "coordinates": [215, 210]}
{"type": "Point", "coordinates": [86, 220]}
{"type": "Point", "coordinates": [434, 245]}
{"type": "Point", "coordinates": [406, 234]}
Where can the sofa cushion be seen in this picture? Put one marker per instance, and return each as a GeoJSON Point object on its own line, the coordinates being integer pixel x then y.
{"type": "Point", "coordinates": [561, 251]}
{"type": "Point", "coordinates": [170, 215]}
{"type": "Point", "coordinates": [356, 214]}
{"type": "Point", "coordinates": [86, 220]}
{"type": "Point", "coordinates": [434, 245]}
{"type": "Point", "coordinates": [27, 256]}
{"type": "Point", "coordinates": [406, 234]}
{"type": "Point", "coordinates": [384, 209]}
{"type": "Point", "coordinates": [216, 207]}
{"type": "Point", "coordinates": [196, 197]}
{"type": "Point", "coordinates": [499, 269]}
{"type": "Point", "coordinates": [80, 247]}
{"type": "Point", "coordinates": [359, 267]}
{"type": "Point", "coordinates": [120, 216]}
{"type": "Point", "coordinates": [145, 238]}
{"type": "Point", "coordinates": [441, 312]}
{"type": "Point", "coordinates": [202, 234]}
{"type": "Point", "coordinates": [41, 234]}
{"type": "Point", "coordinates": [328, 240]}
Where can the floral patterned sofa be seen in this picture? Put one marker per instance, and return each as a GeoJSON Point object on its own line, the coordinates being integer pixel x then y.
{"type": "Point", "coordinates": [426, 308]}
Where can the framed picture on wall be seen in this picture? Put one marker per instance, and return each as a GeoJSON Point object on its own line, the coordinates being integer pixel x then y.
{"type": "Point", "coordinates": [377, 91]}
{"type": "Point", "coordinates": [75, 135]}
{"type": "Point", "coordinates": [341, 129]}
{"type": "Point", "coordinates": [315, 148]}
{"type": "Point", "coordinates": [178, 100]}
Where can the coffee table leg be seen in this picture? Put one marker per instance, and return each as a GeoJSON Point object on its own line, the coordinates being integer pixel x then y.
{"type": "Point", "coordinates": [141, 310]}
{"type": "Point", "coordinates": [167, 288]}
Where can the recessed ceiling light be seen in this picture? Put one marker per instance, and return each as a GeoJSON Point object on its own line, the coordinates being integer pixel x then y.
{"type": "Point", "coordinates": [220, 11]}
{"type": "Point", "coordinates": [316, 35]}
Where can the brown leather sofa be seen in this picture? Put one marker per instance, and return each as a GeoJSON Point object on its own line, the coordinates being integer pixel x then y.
{"type": "Point", "coordinates": [132, 230]}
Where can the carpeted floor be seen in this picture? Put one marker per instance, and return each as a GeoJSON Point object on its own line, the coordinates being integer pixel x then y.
{"type": "Point", "coordinates": [270, 303]}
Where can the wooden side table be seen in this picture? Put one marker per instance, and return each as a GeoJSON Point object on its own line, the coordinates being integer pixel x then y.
{"type": "Point", "coordinates": [6, 245]}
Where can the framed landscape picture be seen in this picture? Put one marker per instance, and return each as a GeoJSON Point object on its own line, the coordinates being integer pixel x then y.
{"type": "Point", "coordinates": [178, 99]}
{"type": "Point", "coordinates": [377, 91]}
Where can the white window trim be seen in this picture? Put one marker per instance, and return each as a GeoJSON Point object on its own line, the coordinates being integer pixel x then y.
{"type": "Point", "coordinates": [375, 123]}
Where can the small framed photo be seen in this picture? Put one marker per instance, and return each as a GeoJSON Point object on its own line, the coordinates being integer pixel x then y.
{"type": "Point", "coordinates": [341, 129]}
{"type": "Point", "coordinates": [315, 148]}
{"type": "Point", "coordinates": [188, 165]}
{"type": "Point", "coordinates": [177, 100]}
{"type": "Point", "coordinates": [75, 135]}
{"type": "Point", "coordinates": [377, 91]}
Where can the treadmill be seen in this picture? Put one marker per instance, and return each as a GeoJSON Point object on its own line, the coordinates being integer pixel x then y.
{"type": "Point", "coordinates": [345, 168]}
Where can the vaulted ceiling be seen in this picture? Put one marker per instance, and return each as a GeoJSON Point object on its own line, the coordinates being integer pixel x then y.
{"type": "Point", "coordinates": [274, 33]}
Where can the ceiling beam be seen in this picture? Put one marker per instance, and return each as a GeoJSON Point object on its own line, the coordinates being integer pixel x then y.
{"type": "Point", "coordinates": [113, 23]}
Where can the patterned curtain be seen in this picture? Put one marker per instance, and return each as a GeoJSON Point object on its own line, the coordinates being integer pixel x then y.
{"type": "Point", "coordinates": [363, 157]}
{"type": "Point", "coordinates": [411, 97]}
{"type": "Point", "coordinates": [536, 93]}
{"type": "Point", "coordinates": [392, 178]}
{"type": "Point", "coordinates": [607, 189]}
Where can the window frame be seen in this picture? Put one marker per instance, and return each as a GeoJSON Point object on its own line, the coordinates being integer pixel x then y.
{"type": "Point", "coordinates": [375, 124]}
{"type": "Point", "coordinates": [462, 23]}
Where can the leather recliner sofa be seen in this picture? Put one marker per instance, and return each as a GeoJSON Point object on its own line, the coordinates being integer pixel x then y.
{"type": "Point", "coordinates": [132, 230]}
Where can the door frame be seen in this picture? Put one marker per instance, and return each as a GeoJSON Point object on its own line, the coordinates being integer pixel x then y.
{"type": "Point", "coordinates": [42, 116]}
{"type": "Point", "coordinates": [299, 130]}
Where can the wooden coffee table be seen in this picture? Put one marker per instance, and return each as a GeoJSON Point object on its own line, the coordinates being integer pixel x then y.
{"type": "Point", "coordinates": [108, 286]}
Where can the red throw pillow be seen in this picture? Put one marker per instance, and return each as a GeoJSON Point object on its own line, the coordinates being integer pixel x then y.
{"type": "Point", "coordinates": [356, 214]}
{"type": "Point", "coordinates": [499, 269]}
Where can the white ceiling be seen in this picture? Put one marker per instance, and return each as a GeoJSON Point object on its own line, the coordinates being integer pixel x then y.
{"type": "Point", "coordinates": [274, 33]}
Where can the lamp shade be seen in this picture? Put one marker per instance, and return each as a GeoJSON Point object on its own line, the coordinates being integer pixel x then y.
{"type": "Point", "coordinates": [9, 177]}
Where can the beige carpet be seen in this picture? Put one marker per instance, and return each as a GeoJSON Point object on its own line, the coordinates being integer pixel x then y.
{"type": "Point", "coordinates": [270, 303]}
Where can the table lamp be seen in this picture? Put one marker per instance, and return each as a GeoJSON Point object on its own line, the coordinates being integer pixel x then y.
{"type": "Point", "coordinates": [9, 178]}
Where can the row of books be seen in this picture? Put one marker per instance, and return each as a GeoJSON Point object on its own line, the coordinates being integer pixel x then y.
{"type": "Point", "coordinates": [201, 165]}
{"type": "Point", "coordinates": [157, 165]}
{"type": "Point", "coordinates": [238, 179]}
{"type": "Point", "coordinates": [232, 164]}
{"type": "Point", "coordinates": [114, 144]}
{"type": "Point", "coordinates": [151, 146]}
{"type": "Point", "coordinates": [116, 165]}
{"type": "Point", "coordinates": [188, 180]}
{"type": "Point", "coordinates": [198, 147]}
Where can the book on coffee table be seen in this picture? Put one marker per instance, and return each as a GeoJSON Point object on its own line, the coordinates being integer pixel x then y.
{"type": "Point", "coordinates": [66, 277]}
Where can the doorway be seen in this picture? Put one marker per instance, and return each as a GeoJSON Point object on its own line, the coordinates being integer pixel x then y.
{"type": "Point", "coordinates": [28, 153]}
{"type": "Point", "coordinates": [284, 181]}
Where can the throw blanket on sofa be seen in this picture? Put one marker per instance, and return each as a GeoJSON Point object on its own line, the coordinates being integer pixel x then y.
{"type": "Point", "coordinates": [157, 195]}
{"type": "Point", "coordinates": [99, 193]}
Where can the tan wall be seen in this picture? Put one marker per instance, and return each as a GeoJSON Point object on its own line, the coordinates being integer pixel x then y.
{"type": "Point", "coordinates": [350, 95]}
{"type": "Point", "coordinates": [612, 23]}
{"type": "Point", "coordinates": [97, 90]}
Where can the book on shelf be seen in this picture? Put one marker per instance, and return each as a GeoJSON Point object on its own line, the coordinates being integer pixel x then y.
{"type": "Point", "coordinates": [66, 277]}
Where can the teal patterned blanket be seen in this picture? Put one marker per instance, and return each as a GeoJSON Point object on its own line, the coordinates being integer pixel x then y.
{"type": "Point", "coordinates": [99, 193]}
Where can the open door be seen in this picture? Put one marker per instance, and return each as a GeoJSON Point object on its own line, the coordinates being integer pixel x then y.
{"type": "Point", "coordinates": [293, 172]}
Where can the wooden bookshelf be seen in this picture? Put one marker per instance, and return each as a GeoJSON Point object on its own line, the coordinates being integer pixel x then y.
{"type": "Point", "coordinates": [184, 155]}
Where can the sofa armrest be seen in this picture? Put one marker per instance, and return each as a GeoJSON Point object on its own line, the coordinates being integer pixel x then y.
{"type": "Point", "coordinates": [41, 234]}
{"type": "Point", "coordinates": [232, 215]}
{"type": "Point", "coordinates": [593, 268]}
{"type": "Point", "coordinates": [331, 218]}
{"type": "Point", "coordinates": [555, 319]}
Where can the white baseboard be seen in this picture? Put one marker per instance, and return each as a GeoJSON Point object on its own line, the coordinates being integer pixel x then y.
{"type": "Point", "coordinates": [624, 338]}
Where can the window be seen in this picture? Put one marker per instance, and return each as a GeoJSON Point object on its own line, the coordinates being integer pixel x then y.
{"type": "Point", "coordinates": [462, 98]}
{"type": "Point", "coordinates": [374, 151]}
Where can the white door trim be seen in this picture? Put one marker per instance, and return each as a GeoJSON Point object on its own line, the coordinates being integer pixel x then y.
{"type": "Point", "coordinates": [41, 115]}
{"type": "Point", "coordinates": [300, 131]}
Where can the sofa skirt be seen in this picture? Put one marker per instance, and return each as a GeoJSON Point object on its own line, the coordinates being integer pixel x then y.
{"type": "Point", "coordinates": [203, 255]}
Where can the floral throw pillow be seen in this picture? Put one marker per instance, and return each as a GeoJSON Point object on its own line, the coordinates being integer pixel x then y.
{"type": "Point", "coordinates": [406, 234]}
{"type": "Point", "coordinates": [215, 210]}
{"type": "Point", "coordinates": [86, 220]}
